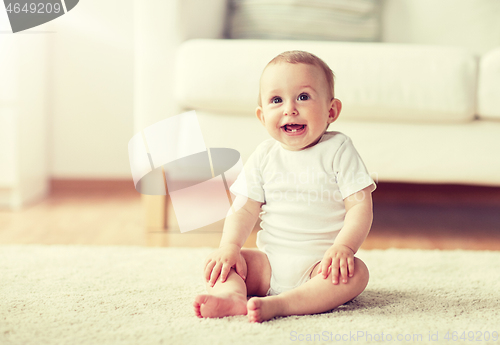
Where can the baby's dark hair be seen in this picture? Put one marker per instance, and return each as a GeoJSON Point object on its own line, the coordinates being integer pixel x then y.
{"type": "Point", "coordinates": [299, 56]}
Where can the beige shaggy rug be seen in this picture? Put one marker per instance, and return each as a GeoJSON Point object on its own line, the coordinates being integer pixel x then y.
{"type": "Point", "coordinates": [136, 295]}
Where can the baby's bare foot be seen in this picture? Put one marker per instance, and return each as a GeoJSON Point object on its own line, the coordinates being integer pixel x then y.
{"type": "Point", "coordinates": [264, 308]}
{"type": "Point", "coordinates": [219, 305]}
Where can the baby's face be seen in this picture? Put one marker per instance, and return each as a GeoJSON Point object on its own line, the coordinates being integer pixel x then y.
{"type": "Point", "coordinates": [296, 104]}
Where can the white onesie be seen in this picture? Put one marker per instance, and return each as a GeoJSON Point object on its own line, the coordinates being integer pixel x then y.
{"type": "Point", "coordinates": [302, 194]}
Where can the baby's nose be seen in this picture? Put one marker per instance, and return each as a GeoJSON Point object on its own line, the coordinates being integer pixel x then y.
{"type": "Point", "coordinates": [290, 110]}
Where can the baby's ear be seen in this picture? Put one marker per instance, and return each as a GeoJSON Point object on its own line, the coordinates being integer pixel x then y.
{"type": "Point", "coordinates": [335, 108]}
{"type": "Point", "coordinates": [260, 115]}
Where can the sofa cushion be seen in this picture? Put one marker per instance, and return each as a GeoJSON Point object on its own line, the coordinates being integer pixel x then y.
{"type": "Point", "coordinates": [462, 153]}
{"type": "Point", "coordinates": [374, 81]}
{"type": "Point", "coordinates": [488, 95]}
{"type": "Point", "coordinates": [346, 20]}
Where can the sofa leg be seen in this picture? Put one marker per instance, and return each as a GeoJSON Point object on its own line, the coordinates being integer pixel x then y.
{"type": "Point", "coordinates": [159, 213]}
{"type": "Point", "coordinates": [154, 210]}
{"type": "Point", "coordinates": [171, 221]}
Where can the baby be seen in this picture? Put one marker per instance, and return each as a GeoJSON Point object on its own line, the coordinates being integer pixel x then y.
{"type": "Point", "coordinates": [313, 194]}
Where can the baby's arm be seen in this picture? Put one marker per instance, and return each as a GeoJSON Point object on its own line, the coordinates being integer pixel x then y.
{"type": "Point", "coordinates": [237, 228]}
{"type": "Point", "coordinates": [357, 223]}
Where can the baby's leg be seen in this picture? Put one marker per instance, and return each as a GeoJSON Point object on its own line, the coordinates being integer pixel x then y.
{"type": "Point", "coordinates": [230, 297]}
{"type": "Point", "coordinates": [316, 296]}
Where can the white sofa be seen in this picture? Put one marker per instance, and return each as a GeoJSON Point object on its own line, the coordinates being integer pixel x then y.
{"type": "Point", "coordinates": [422, 105]}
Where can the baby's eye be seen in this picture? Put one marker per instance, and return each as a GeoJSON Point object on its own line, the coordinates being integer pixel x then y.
{"type": "Point", "coordinates": [276, 100]}
{"type": "Point", "coordinates": [303, 97]}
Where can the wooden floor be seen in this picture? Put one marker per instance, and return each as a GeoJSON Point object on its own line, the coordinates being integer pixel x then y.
{"type": "Point", "coordinates": [110, 213]}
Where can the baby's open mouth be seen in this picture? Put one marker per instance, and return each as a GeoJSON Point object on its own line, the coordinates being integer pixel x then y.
{"type": "Point", "coordinates": [292, 128]}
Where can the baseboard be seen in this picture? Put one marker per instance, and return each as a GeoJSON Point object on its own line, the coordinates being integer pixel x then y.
{"type": "Point", "coordinates": [432, 193]}
{"type": "Point", "coordinates": [15, 199]}
{"type": "Point", "coordinates": [92, 186]}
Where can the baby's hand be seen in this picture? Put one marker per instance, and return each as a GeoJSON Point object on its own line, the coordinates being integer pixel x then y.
{"type": "Point", "coordinates": [221, 261]}
{"type": "Point", "coordinates": [341, 259]}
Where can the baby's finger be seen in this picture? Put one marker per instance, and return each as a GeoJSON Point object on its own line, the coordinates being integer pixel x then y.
{"type": "Point", "coordinates": [225, 272]}
{"type": "Point", "coordinates": [335, 272]}
{"type": "Point", "coordinates": [215, 274]}
{"type": "Point", "coordinates": [325, 263]}
{"type": "Point", "coordinates": [343, 270]}
{"type": "Point", "coordinates": [208, 269]}
{"type": "Point", "coordinates": [350, 264]}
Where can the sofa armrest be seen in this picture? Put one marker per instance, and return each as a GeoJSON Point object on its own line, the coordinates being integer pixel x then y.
{"type": "Point", "coordinates": [488, 101]}
{"type": "Point", "coordinates": [160, 26]}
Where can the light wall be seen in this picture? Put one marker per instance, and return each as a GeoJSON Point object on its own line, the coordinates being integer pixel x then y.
{"type": "Point", "coordinates": [91, 115]}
